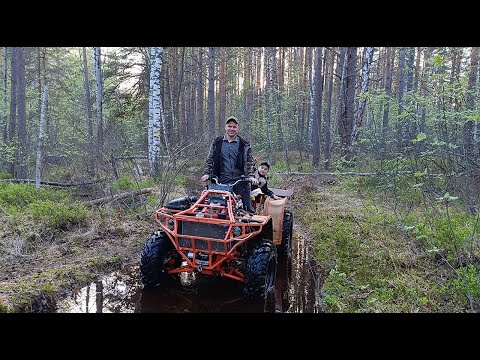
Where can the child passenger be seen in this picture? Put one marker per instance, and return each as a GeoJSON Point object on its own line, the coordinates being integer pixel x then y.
{"type": "Point", "coordinates": [261, 176]}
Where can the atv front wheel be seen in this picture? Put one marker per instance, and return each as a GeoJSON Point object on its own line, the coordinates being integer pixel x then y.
{"type": "Point", "coordinates": [287, 230]}
{"type": "Point", "coordinates": [261, 271]}
{"type": "Point", "coordinates": [158, 256]}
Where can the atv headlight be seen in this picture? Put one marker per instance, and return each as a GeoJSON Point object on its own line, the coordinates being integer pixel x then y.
{"type": "Point", "coordinates": [171, 224]}
{"type": "Point", "coordinates": [237, 231]}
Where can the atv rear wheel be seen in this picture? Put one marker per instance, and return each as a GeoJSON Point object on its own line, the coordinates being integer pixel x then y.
{"type": "Point", "coordinates": [261, 271]}
{"type": "Point", "coordinates": [158, 256]}
{"type": "Point", "coordinates": [287, 229]}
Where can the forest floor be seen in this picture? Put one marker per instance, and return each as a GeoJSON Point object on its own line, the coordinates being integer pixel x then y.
{"type": "Point", "coordinates": [37, 270]}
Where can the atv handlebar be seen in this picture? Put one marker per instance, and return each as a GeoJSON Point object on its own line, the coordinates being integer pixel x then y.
{"type": "Point", "coordinates": [245, 179]}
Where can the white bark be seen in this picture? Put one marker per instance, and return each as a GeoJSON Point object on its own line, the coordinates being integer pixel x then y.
{"type": "Point", "coordinates": [150, 111]}
{"type": "Point", "coordinates": [38, 164]}
{"type": "Point", "coordinates": [99, 94]}
{"type": "Point", "coordinates": [364, 88]}
{"type": "Point", "coordinates": [156, 113]}
{"type": "Point", "coordinates": [311, 82]}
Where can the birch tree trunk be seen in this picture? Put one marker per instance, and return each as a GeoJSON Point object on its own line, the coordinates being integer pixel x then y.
{"type": "Point", "coordinates": [38, 163]}
{"type": "Point", "coordinates": [311, 92]}
{"type": "Point", "coordinates": [99, 96]}
{"type": "Point", "coordinates": [88, 102]}
{"type": "Point", "coordinates": [156, 112]}
{"type": "Point", "coordinates": [364, 88]}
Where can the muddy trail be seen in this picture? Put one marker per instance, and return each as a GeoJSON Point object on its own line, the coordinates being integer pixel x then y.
{"type": "Point", "coordinates": [296, 290]}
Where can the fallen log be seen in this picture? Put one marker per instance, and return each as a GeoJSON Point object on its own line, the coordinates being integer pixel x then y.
{"type": "Point", "coordinates": [356, 173]}
{"type": "Point", "coordinates": [51, 183]}
{"type": "Point", "coordinates": [108, 199]}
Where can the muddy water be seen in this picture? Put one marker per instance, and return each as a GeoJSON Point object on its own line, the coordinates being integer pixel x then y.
{"type": "Point", "coordinates": [296, 291]}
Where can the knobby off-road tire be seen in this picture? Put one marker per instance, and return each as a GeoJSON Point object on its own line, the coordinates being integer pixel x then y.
{"type": "Point", "coordinates": [261, 271]}
{"type": "Point", "coordinates": [158, 255]}
{"type": "Point", "coordinates": [287, 230]}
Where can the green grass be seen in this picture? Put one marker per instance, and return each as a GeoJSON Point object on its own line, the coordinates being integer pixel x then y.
{"type": "Point", "coordinates": [371, 264]}
{"type": "Point", "coordinates": [49, 209]}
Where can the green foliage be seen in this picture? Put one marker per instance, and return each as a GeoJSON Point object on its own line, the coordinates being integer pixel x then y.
{"type": "Point", "coordinates": [451, 233]}
{"type": "Point", "coordinates": [122, 184]}
{"type": "Point", "coordinates": [5, 175]}
{"type": "Point", "coordinates": [4, 308]}
{"type": "Point", "coordinates": [180, 180]}
{"type": "Point", "coordinates": [368, 264]}
{"type": "Point", "coordinates": [8, 153]}
{"type": "Point", "coordinates": [48, 288]}
{"type": "Point", "coordinates": [56, 215]}
{"type": "Point", "coordinates": [420, 137]}
{"type": "Point", "coordinates": [468, 282]}
{"type": "Point", "coordinates": [20, 195]}
{"type": "Point", "coordinates": [126, 184]}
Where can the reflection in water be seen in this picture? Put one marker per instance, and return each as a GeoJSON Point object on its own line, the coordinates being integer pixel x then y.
{"type": "Point", "coordinates": [115, 293]}
{"type": "Point", "coordinates": [206, 295]}
{"type": "Point", "coordinates": [121, 292]}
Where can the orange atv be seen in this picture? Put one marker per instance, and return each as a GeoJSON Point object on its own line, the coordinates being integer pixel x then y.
{"type": "Point", "coordinates": [213, 235]}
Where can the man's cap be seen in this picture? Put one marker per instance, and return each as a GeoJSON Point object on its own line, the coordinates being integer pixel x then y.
{"type": "Point", "coordinates": [265, 163]}
{"type": "Point", "coordinates": [231, 118]}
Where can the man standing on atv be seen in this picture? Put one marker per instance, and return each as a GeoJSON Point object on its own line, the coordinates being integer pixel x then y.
{"type": "Point", "coordinates": [229, 158]}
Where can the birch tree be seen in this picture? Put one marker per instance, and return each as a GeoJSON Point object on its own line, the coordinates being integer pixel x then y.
{"type": "Point", "coordinates": [363, 90]}
{"type": "Point", "coordinates": [311, 88]}
{"type": "Point", "coordinates": [155, 112]}
{"type": "Point", "coordinates": [38, 163]}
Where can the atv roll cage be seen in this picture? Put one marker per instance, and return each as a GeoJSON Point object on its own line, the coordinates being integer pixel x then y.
{"type": "Point", "coordinates": [212, 234]}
